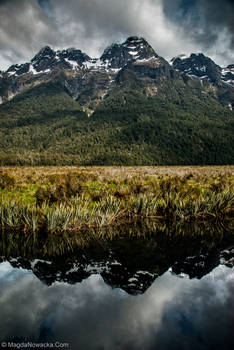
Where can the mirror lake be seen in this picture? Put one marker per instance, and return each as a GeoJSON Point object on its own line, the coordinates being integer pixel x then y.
{"type": "Point", "coordinates": [146, 287]}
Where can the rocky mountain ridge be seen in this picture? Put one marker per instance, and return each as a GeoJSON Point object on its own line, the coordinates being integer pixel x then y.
{"type": "Point", "coordinates": [96, 76]}
{"type": "Point", "coordinates": [202, 67]}
{"type": "Point", "coordinates": [114, 57]}
{"type": "Point", "coordinates": [83, 75]}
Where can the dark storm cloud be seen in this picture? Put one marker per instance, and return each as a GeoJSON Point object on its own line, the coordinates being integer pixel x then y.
{"type": "Point", "coordinates": [27, 25]}
{"type": "Point", "coordinates": [92, 25]}
{"type": "Point", "coordinates": [24, 27]}
{"type": "Point", "coordinates": [171, 26]}
{"type": "Point", "coordinates": [218, 16]}
{"type": "Point", "coordinates": [209, 23]}
{"type": "Point", "coordinates": [46, 6]}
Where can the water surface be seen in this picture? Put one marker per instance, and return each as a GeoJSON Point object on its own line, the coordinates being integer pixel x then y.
{"type": "Point", "coordinates": [152, 291]}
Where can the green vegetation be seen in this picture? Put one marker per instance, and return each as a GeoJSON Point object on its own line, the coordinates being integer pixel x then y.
{"type": "Point", "coordinates": [181, 123]}
{"type": "Point", "coordinates": [80, 199]}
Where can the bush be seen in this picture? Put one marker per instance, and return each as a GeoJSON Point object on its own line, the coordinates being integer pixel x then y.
{"type": "Point", "coordinates": [63, 191]}
{"type": "Point", "coordinates": [7, 181]}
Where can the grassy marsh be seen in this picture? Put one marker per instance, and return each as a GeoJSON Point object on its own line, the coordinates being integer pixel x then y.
{"type": "Point", "coordinates": [75, 199]}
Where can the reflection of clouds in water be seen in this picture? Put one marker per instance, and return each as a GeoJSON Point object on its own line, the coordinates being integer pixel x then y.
{"type": "Point", "coordinates": [7, 273]}
{"type": "Point", "coordinates": [24, 302]}
{"type": "Point", "coordinates": [203, 312]}
{"type": "Point", "coordinates": [91, 315]}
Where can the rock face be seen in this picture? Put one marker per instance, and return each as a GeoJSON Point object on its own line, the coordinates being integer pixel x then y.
{"type": "Point", "coordinates": [134, 48]}
{"type": "Point", "coordinates": [228, 74]}
{"type": "Point", "coordinates": [46, 60]}
{"type": "Point", "coordinates": [202, 67]}
{"type": "Point", "coordinates": [199, 66]}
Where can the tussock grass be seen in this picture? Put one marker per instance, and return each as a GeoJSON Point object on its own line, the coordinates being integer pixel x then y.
{"type": "Point", "coordinates": [60, 199]}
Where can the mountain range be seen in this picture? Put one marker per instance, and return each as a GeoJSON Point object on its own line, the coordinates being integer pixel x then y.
{"type": "Point", "coordinates": [128, 107]}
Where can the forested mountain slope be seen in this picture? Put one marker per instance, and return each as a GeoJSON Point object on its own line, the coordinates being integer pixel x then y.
{"type": "Point", "coordinates": [129, 107]}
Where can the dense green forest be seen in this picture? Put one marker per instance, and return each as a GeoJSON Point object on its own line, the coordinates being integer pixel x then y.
{"type": "Point", "coordinates": [180, 124]}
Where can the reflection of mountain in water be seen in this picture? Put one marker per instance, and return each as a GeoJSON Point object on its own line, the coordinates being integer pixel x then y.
{"type": "Point", "coordinates": [131, 262]}
{"type": "Point", "coordinates": [200, 265]}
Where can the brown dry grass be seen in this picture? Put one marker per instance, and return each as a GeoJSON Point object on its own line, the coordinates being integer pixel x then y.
{"type": "Point", "coordinates": [103, 173]}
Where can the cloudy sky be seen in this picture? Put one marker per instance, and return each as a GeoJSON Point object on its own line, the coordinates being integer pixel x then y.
{"type": "Point", "coordinates": [174, 313]}
{"type": "Point", "coordinates": [171, 26]}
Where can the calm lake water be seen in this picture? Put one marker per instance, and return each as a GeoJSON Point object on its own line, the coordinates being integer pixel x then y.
{"type": "Point", "coordinates": [141, 292]}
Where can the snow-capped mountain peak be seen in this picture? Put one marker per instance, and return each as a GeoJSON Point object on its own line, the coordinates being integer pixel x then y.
{"type": "Point", "coordinates": [46, 60]}
{"type": "Point", "coordinates": [134, 54]}
{"type": "Point", "coordinates": [115, 57]}
{"type": "Point", "coordinates": [134, 48]}
{"type": "Point", "coordinates": [198, 66]}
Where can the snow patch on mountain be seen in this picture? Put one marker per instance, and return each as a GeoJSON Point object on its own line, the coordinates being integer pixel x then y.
{"type": "Point", "coordinates": [201, 67]}
{"type": "Point", "coordinates": [180, 57]}
{"type": "Point", "coordinates": [33, 71]}
{"type": "Point", "coordinates": [74, 65]}
{"type": "Point", "coordinates": [228, 75]}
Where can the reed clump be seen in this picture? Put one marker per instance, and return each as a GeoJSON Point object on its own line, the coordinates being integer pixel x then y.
{"type": "Point", "coordinates": [76, 200]}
